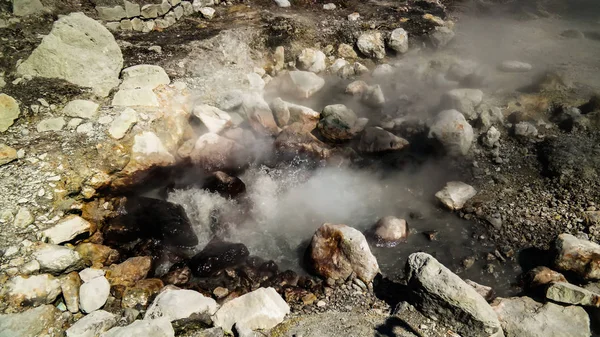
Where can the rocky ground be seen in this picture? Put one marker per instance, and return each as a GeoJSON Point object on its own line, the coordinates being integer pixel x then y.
{"type": "Point", "coordinates": [103, 103]}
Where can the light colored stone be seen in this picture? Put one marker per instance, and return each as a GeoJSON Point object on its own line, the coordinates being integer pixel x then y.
{"type": "Point", "coordinates": [174, 304]}
{"type": "Point", "coordinates": [148, 151]}
{"type": "Point", "coordinates": [441, 36]}
{"type": "Point", "coordinates": [491, 137]}
{"type": "Point", "coordinates": [27, 7]}
{"type": "Point", "coordinates": [446, 296]}
{"type": "Point", "coordinates": [132, 9]}
{"type": "Point", "coordinates": [260, 309]}
{"type": "Point", "coordinates": [137, 24]}
{"type": "Point", "coordinates": [198, 4]}
{"type": "Point", "coordinates": [371, 44]}
{"type": "Point", "coordinates": [174, 2]}
{"type": "Point", "coordinates": [23, 218]}
{"type": "Point", "coordinates": [312, 60]}
{"type": "Point", "coordinates": [7, 154]}
{"type": "Point", "coordinates": [57, 259]}
{"type": "Point", "coordinates": [215, 119]}
{"type": "Point", "coordinates": [339, 123]}
{"type": "Point", "coordinates": [259, 114]}
{"type": "Point", "coordinates": [515, 67]}
{"type": "Point", "coordinates": [9, 111]}
{"type": "Point", "coordinates": [179, 12]}
{"type": "Point", "coordinates": [149, 11]}
{"type": "Point", "coordinates": [147, 328]}
{"type": "Point", "coordinates": [51, 124]}
{"type": "Point", "coordinates": [525, 129]}
{"type": "Point", "coordinates": [303, 83]}
{"type": "Point", "coordinates": [398, 40]}
{"type": "Point", "coordinates": [144, 76]}
{"type": "Point", "coordinates": [79, 50]}
{"type": "Point", "coordinates": [207, 12]}
{"type": "Point", "coordinates": [463, 100]}
{"type": "Point", "coordinates": [45, 320]}
{"type": "Point", "coordinates": [373, 96]}
{"type": "Point", "coordinates": [69, 284]}
{"type": "Point", "coordinates": [390, 230]}
{"type": "Point", "coordinates": [31, 291]}
{"type": "Point", "coordinates": [453, 131]}
{"type": "Point", "coordinates": [115, 13]}
{"type": "Point", "coordinates": [188, 8]}
{"type": "Point", "coordinates": [121, 125]}
{"type": "Point", "coordinates": [93, 294]}
{"type": "Point", "coordinates": [579, 256]}
{"type": "Point", "coordinates": [455, 194]}
{"type": "Point", "coordinates": [126, 25]}
{"type": "Point", "coordinates": [81, 109]}
{"type": "Point", "coordinates": [92, 325]}
{"type": "Point", "coordinates": [67, 229]}
{"type": "Point", "coordinates": [135, 97]}
{"type": "Point", "coordinates": [283, 3]}
{"type": "Point", "coordinates": [353, 16]}
{"type": "Point", "coordinates": [113, 26]}
{"type": "Point", "coordinates": [89, 274]}
{"type": "Point", "coordinates": [130, 271]}
{"type": "Point", "coordinates": [376, 139]}
{"type": "Point", "coordinates": [255, 81]}
{"type": "Point", "coordinates": [563, 292]}
{"type": "Point", "coordinates": [85, 128]}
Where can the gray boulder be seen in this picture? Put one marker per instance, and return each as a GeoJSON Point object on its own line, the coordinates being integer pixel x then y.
{"type": "Point", "coordinates": [79, 50]}
{"type": "Point", "coordinates": [455, 194]}
{"type": "Point", "coordinates": [398, 40]}
{"type": "Point", "coordinates": [371, 44]}
{"type": "Point", "coordinates": [45, 320]}
{"type": "Point", "coordinates": [442, 294]}
{"type": "Point", "coordinates": [453, 131]}
{"type": "Point", "coordinates": [339, 123]}
{"type": "Point", "coordinates": [92, 325]}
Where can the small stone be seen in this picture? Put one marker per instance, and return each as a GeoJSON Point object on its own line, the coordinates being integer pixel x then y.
{"type": "Point", "coordinates": [398, 40]}
{"type": "Point", "coordinates": [74, 123]}
{"type": "Point", "coordinates": [329, 6]}
{"type": "Point", "coordinates": [140, 295]}
{"type": "Point", "coordinates": [441, 36]}
{"type": "Point", "coordinates": [149, 328]}
{"type": "Point", "coordinates": [51, 124]}
{"type": "Point", "coordinates": [353, 17]}
{"type": "Point", "coordinates": [93, 294]}
{"type": "Point", "coordinates": [390, 230]}
{"type": "Point", "coordinates": [130, 271]}
{"type": "Point", "coordinates": [93, 324]}
{"type": "Point", "coordinates": [81, 109]}
{"type": "Point", "coordinates": [220, 292]}
{"type": "Point", "coordinates": [67, 229]}
{"type": "Point", "coordinates": [455, 194]}
{"type": "Point", "coordinates": [57, 259]}
{"type": "Point", "coordinates": [371, 44]}
{"type": "Point", "coordinates": [23, 218]}
{"type": "Point", "coordinates": [7, 154]}
{"type": "Point", "coordinates": [89, 274]}
{"type": "Point", "coordinates": [515, 67]}
{"type": "Point", "coordinates": [69, 285]}
{"type": "Point", "coordinates": [149, 11]}
{"type": "Point", "coordinates": [346, 51]}
{"type": "Point", "coordinates": [525, 129]}
{"type": "Point", "coordinates": [491, 137]}
{"type": "Point", "coordinates": [121, 125]}
{"type": "Point", "coordinates": [31, 291]}
{"type": "Point", "coordinates": [312, 60]}
{"type": "Point", "coordinates": [207, 12]}
{"type": "Point", "coordinates": [174, 304]}
{"type": "Point", "coordinates": [321, 304]}
{"type": "Point", "coordinates": [115, 13]}
{"type": "Point", "coordinates": [303, 83]}
{"type": "Point", "coordinates": [144, 76]}
{"type": "Point", "coordinates": [283, 3]}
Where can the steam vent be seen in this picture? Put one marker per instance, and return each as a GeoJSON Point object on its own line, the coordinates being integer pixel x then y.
{"type": "Point", "coordinates": [293, 168]}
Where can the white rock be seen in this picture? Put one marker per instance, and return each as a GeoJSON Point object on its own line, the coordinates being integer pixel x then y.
{"type": "Point", "coordinates": [67, 229]}
{"type": "Point", "coordinates": [312, 60]}
{"type": "Point", "coordinates": [525, 129]}
{"type": "Point", "coordinates": [126, 25]}
{"type": "Point", "coordinates": [144, 76]}
{"type": "Point", "coordinates": [32, 290]}
{"type": "Point", "coordinates": [92, 325]}
{"type": "Point", "coordinates": [338, 65]}
{"type": "Point", "coordinates": [115, 13]}
{"type": "Point", "coordinates": [45, 320]}
{"type": "Point", "coordinates": [207, 12]}
{"type": "Point", "coordinates": [303, 83]}
{"type": "Point", "coordinates": [79, 50]}
{"type": "Point", "coordinates": [383, 70]}
{"type": "Point", "coordinates": [132, 9]}
{"type": "Point", "coordinates": [148, 150]}
{"type": "Point", "coordinates": [260, 309]}
{"type": "Point", "coordinates": [455, 194]}
{"type": "Point", "coordinates": [371, 44]}
{"type": "Point", "coordinates": [453, 131]}
{"type": "Point", "coordinates": [51, 124]}
{"type": "Point", "coordinates": [135, 97]}
{"type": "Point", "coordinates": [198, 4]}
{"type": "Point", "coordinates": [179, 12]}
{"type": "Point", "coordinates": [74, 123]}
{"type": "Point", "coordinates": [491, 137]}
{"type": "Point", "coordinates": [56, 259]}
{"type": "Point", "coordinates": [86, 128]}
{"type": "Point", "coordinates": [515, 67]}
{"type": "Point", "coordinates": [174, 304]}
{"type": "Point", "coordinates": [463, 100]}
{"type": "Point", "coordinates": [23, 218]}
{"type": "Point", "coordinates": [399, 40]}
{"type": "Point", "coordinates": [145, 328]}
{"type": "Point", "coordinates": [93, 294]}
{"type": "Point", "coordinates": [188, 8]}
{"type": "Point", "coordinates": [215, 119]}
{"type": "Point", "coordinates": [27, 7]}
{"type": "Point", "coordinates": [105, 120]}
{"type": "Point", "coordinates": [30, 267]}
{"type": "Point", "coordinates": [149, 11]}
{"type": "Point", "coordinates": [156, 49]}
{"type": "Point", "coordinates": [121, 125]}
{"type": "Point", "coordinates": [256, 82]}
{"type": "Point", "coordinates": [329, 6]}
{"type": "Point", "coordinates": [81, 109]}
{"type": "Point", "coordinates": [353, 17]}
{"type": "Point", "coordinates": [283, 3]}
{"type": "Point", "coordinates": [89, 274]}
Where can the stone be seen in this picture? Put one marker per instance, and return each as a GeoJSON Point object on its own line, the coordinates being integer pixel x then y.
{"type": "Point", "coordinates": [207, 12]}
{"type": "Point", "coordinates": [376, 139]}
{"type": "Point", "coordinates": [224, 184]}
{"type": "Point", "coordinates": [27, 7]}
{"type": "Point", "coordinates": [563, 292]}
{"type": "Point", "coordinates": [357, 88]}
{"type": "Point", "coordinates": [524, 317]}
{"type": "Point", "coordinates": [218, 256]}
{"type": "Point", "coordinates": [297, 138]}
{"type": "Point", "coordinates": [260, 309]}
{"type": "Point", "coordinates": [92, 325]}
{"type": "Point", "coordinates": [173, 304]}
{"type": "Point", "coordinates": [490, 116]}
{"type": "Point", "coordinates": [525, 129]}
{"type": "Point", "coordinates": [579, 256]}
{"type": "Point", "coordinates": [259, 114]}
{"type": "Point", "coordinates": [126, 25]}
{"type": "Point", "coordinates": [146, 328]}
{"type": "Point", "coordinates": [338, 65]}
{"type": "Point", "coordinates": [81, 109]}
{"type": "Point", "coordinates": [463, 100]}
{"type": "Point", "coordinates": [453, 132]}
{"type": "Point", "coordinates": [51, 124]}
{"type": "Point", "coordinates": [288, 113]}
{"type": "Point", "coordinates": [9, 111]}
{"type": "Point", "coordinates": [89, 274]}
{"type": "Point", "coordinates": [149, 11]}
{"type": "Point", "coordinates": [389, 231]}
{"type": "Point", "coordinates": [23, 218]}
{"type": "Point", "coordinates": [32, 290]}
{"type": "Point", "coordinates": [67, 229]}
{"type": "Point", "coordinates": [371, 44]}
{"type": "Point", "coordinates": [214, 152]}
{"type": "Point", "coordinates": [57, 259]}
{"type": "Point", "coordinates": [383, 70]}
{"type": "Point", "coordinates": [93, 294]}
{"type": "Point", "coordinates": [255, 81]}
{"type": "Point", "coordinates": [339, 123]}
{"type": "Point", "coordinates": [337, 251]}
{"type": "Point", "coordinates": [113, 26]}
{"type": "Point", "coordinates": [179, 12]}
{"type": "Point", "coordinates": [373, 96]}
{"type": "Point", "coordinates": [312, 60]}
{"type": "Point", "coordinates": [281, 112]}
{"type": "Point", "coordinates": [148, 151]}
{"type": "Point", "coordinates": [121, 125]}
{"type": "Point", "coordinates": [85, 128]}
{"type": "Point", "coordinates": [461, 69]}
{"type": "Point", "coordinates": [115, 13]}
{"type": "Point", "coordinates": [303, 83]}
{"type": "Point", "coordinates": [45, 320]}
{"type": "Point", "coordinates": [515, 67]}
{"type": "Point", "coordinates": [215, 119]}
{"type": "Point", "coordinates": [144, 76]}
{"type": "Point", "coordinates": [353, 17]}
{"type": "Point", "coordinates": [346, 51]}
{"type": "Point", "coordinates": [79, 50]}
{"type": "Point", "coordinates": [283, 3]}
{"type": "Point", "coordinates": [441, 36]}
{"type": "Point", "coordinates": [7, 154]}
{"type": "Point", "coordinates": [94, 254]}
{"type": "Point", "coordinates": [132, 9]}
{"type": "Point", "coordinates": [486, 292]}
{"type": "Point", "coordinates": [455, 194]}
{"type": "Point", "coordinates": [329, 6]}
{"type": "Point", "coordinates": [541, 276]}
{"type": "Point", "coordinates": [130, 271]}
{"type": "Point", "coordinates": [140, 295]}
{"type": "Point", "coordinates": [163, 8]}
{"type": "Point", "coordinates": [69, 285]}
{"type": "Point", "coordinates": [398, 41]}
{"type": "Point", "coordinates": [174, 2]}
{"type": "Point", "coordinates": [442, 294]}
{"type": "Point", "coordinates": [491, 137]}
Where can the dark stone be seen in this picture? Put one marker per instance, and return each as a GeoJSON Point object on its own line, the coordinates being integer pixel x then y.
{"type": "Point", "coordinates": [224, 184]}
{"type": "Point", "coordinates": [592, 105]}
{"type": "Point", "coordinates": [193, 323]}
{"type": "Point", "coordinates": [217, 256]}
{"type": "Point", "coordinates": [178, 276]}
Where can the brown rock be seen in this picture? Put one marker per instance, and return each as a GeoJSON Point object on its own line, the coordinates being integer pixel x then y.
{"type": "Point", "coordinates": [540, 276]}
{"type": "Point", "coordinates": [224, 184]}
{"type": "Point", "coordinates": [296, 138]}
{"type": "Point", "coordinates": [129, 272]}
{"type": "Point", "coordinates": [178, 276]}
{"type": "Point", "coordinates": [309, 299]}
{"type": "Point", "coordinates": [7, 154]}
{"type": "Point", "coordinates": [578, 256]}
{"type": "Point", "coordinates": [70, 284]}
{"type": "Point", "coordinates": [97, 255]}
{"type": "Point", "coordinates": [220, 292]}
{"type": "Point", "coordinates": [141, 295]}
{"type": "Point", "coordinates": [376, 139]}
{"type": "Point", "coordinates": [389, 231]}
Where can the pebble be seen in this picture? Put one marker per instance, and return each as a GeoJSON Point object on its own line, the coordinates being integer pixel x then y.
{"type": "Point", "coordinates": [353, 17]}
{"type": "Point", "coordinates": [329, 6]}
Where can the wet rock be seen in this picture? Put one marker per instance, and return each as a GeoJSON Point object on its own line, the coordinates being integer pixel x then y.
{"type": "Point", "coordinates": [294, 113]}
{"type": "Point", "coordinates": [178, 276]}
{"type": "Point", "coordinates": [346, 51]}
{"type": "Point", "coordinates": [337, 251]}
{"type": "Point", "coordinates": [51, 124]}
{"type": "Point", "coordinates": [339, 123]}
{"type": "Point", "coordinates": [486, 292]}
{"type": "Point", "coordinates": [214, 152]}
{"type": "Point", "coordinates": [578, 256]}
{"type": "Point", "coordinates": [441, 293]}
{"type": "Point", "coordinates": [375, 139]}
{"type": "Point", "coordinates": [302, 83]}
{"type": "Point", "coordinates": [81, 109]}
{"type": "Point", "coordinates": [312, 60]}
{"type": "Point", "coordinates": [491, 137]}
{"type": "Point", "coordinates": [69, 285]}
{"type": "Point", "coordinates": [455, 194]}
{"type": "Point", "coordinates": [68, 229]}
{"type": "Point", "coordinates": [139, 296]}
{"type": "Point", "coordinates": [260, 309]}
{"type": "Point", "coordinates": [149, 328]}
{"type": "Point", "coordinates": [398, 40]}
{"type": "Point", "coordinates": [463, 100]}
{"type": "Point", "coordinates": [514, 67]}
{"type": "Point", "coordinates": [389, 231]}
{"type": "Point", "coordinates": [567, 293]}
{"type": "Point", "coordinates": [130, 271]}
{"type": "Point", "coordinates": [297, 138]}
{"type": "Point", "coordinates": [441, 36]}
{"type": "Point", "coordinates": [93, 294]}
{"type": "Point", "coordinates": [79, 50]}
{"type": "Point", "coordinates": [92, 325]}
{"type": "Point", "coordinates": [123, 123]}
{"type": "Point", "coordinates": [259, 114]}
{"type": "Point", "coordinates": [173, 304]}
{"type": "Point", "coordinates": [453, 131]}
{"type": "Point", "coordinates": [9, 111]}
{"type": "Point", "coordinates": [525, 129]}
{"type": "Point", "coordinates": [97, 255]}
{"type": "Point", "coordinates": [217, 256]}
{"type": "Point", "coordinates": [57, 259]}
{"type": "Point", "coordinates": [541, 276]}
{"type": "Point", "coordinates": [7, 154]}
{"type": "Point", "coordinates": [371, 44]}
{"type": "Point", "coordinates": [215, 120]}
{"type": "Point", "coordinates": [524, 317]}
{"type": "Point", "coordinates": [33, 290]}
{"type": "Point", "coordinates": [44, 320]}
{"type": "Point", "coordinates": [224, 184]}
